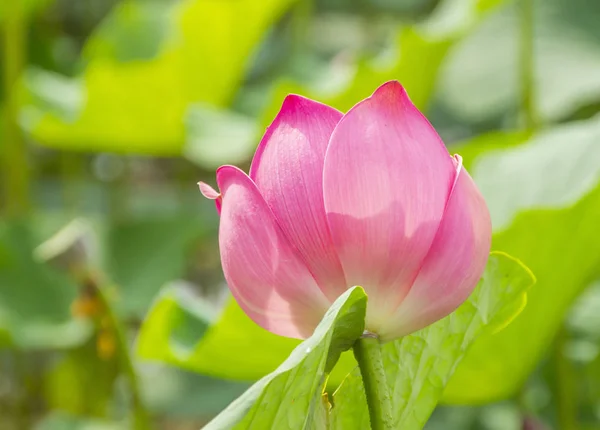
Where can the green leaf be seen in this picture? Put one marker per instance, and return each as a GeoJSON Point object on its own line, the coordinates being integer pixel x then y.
{"type": "Point", "coordinates": [544, 197]}
{"type": "Point", "coordinates": [419, 366]}
{"type": "Point", "coordinates": [35, 300]}
{"type": "Point", "coordinates": [173, 326]}
{"type": "Point", "coordinates": [185, 52]}
{"type": "Point", "coordinates": [215, 348]}
{"type": "Point", "coordinates": [480, 80]}
{"type": "Point", "coordinates": [290, 397]}
{"type": "Point", "coordinates": [350, 408]}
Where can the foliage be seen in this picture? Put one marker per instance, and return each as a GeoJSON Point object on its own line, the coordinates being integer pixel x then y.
{"type": "Point", "coordinates": [123, 105]}
{"type": "Point", "coordinates": [418, 366]}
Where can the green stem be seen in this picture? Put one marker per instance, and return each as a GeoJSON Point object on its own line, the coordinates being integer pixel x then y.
{"type": "Point", "coordinates": [367, 351]}
{"type": "Point", "coordinates": [15, 168]}
{"type": "Point", "coordinates": [140, 413]}
{"type": "Point", "coordinates": [527, 64]}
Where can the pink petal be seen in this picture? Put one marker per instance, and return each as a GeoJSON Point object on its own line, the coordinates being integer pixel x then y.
{"type": "Point", "coordinates": [288, 171]}
{"type": "Point", "coordinates": [387, 178]}
{"type": "Point", "coordinates": [453, 265]}
{"type": "Point", "coordinates": [264, 272]}
{"type": "Point", "coordinates": [210, 193]}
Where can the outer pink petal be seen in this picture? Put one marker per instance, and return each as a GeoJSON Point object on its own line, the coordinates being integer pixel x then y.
{"type": "Point", "coordinates": [453, 265]}
{"type": "Point", "coordinates": [288, 171]}
{"type": "Point", "coordinates": [387, 178]}
{"type": "Point", "coordinates": [264, 272]}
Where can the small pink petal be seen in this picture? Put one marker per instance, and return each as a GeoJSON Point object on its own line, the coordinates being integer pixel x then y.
{"type": "Point", "coordinates": [210, 193]}
{"type": "Point", "coordinates": [264, 272]}
{"type": "Point", "coordinates": [288, 171]}
{"type": "Point", "coordinates": [453, 265]}
{"type": "Point", "coordinates": [387, 178]}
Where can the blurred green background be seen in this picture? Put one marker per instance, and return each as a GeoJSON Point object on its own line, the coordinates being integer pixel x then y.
{"type": "Point", "coordinates": [113, 309]}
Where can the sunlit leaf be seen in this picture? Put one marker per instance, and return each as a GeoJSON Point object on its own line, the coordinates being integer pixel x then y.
{"type": "Point", "coordinates": [291, 396]}
{"type": "Point", "coordinates": [211, 348]}
{"type": "Point", "coordinates": [146, 65]}
{"type": "Point", "coordinates": [173, 326]}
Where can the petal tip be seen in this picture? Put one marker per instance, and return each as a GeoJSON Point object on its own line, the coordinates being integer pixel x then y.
{"type": "Point", "coordinates": [208, 191]}
{"type": "Point", "coordinates": [227, 173]}
{"type": "Point", "coordinates": [293, 100]}
{"type": "Point", "coordinates": [389, 96]}
{"type": "Point", "coordinates": [296, 112]}
{"type": "Point", "coordinates": [294, 103]}
{"type": "Point", "coordinates": [390, 89]}
{"type": "Point", "coordinates": [211, 194]}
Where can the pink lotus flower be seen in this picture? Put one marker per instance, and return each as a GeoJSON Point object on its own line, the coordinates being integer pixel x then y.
{"type": "Point", "coordinates": [369, 198]}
